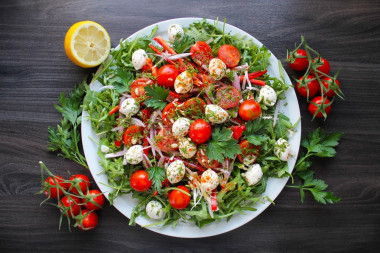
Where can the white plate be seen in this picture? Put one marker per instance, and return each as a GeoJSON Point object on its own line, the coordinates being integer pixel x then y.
{"type": "Point", "coordinates": [125, 203]}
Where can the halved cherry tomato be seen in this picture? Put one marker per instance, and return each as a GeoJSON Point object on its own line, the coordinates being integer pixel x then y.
{"type": "Point", "coordinates": [325, 66]}
{"type": "Point", "coordinates": [237, 131]}
{"type": "Point", "coordinates": [201, 53]}
{"type": "Point", "coordinates": [227, 97]}
{"type": "Point", "coordinates": [299, 64]}
{"type": "Point", "coordinates": [79, 180]}
{"type": "Point", "coordinates": [178, 199]}
{"type": "Point", "coordinates": [168, 113]}
{"type": "Point", "coordinates": [167, 75]}
{"type": "Point", "coordinates": [204, 161]}
{"type": "Point", "coordinates": [313, 86]}
{"type": "Point", "coordinates": [137, 88]}
{"type": "Point", "coordinates": [132, 135]}
{"type": "Point", "coordinates": [70, 205]}
{"type": "Point", "coordinates": [50, 186]}
{"type": "Point", "coordinates": [93, 195]}
{"type": "Point", "coordinates": [327, 82]}
{"type": "Point", "coordinates": [249, 110]}
{"type": "Point", "coordinates": [313, 108]}
{"type": "Point", "coordinates": [140, 181]}
{"type": "Point", "coordinates": [89, 221]}
{"type": "Point", "coordinates": [166, 141]}
{"type": "Point", "coordinates": [249, 152]}
{"type": "Point", "coordinates": [118, 143]}
{"type": "Point", "coordinates": [230, 55]}
{"type": "Point", "coordinates": [193, 108]}
{"type": "Point", "coordinates": [200, 131]}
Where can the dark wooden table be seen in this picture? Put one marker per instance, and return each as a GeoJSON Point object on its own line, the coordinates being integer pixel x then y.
{"type": "Point", "coordinates": [34, 70]}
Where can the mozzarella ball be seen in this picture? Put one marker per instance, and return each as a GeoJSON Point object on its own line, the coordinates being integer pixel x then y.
{"type": "Point", "coordinates": [134, 154]}
{"type": "Point", "coordinates": [105, 149]}
{"type": "Point", "coordinates": [267, 95]}
{"type": "Point", "coordinates": [217, 68]}
{"type": "Point", "coordinates": [254, 174]}
{"type": "Point", "coordinates": [216, 114]}
{"type": "Point", "coordinates": [209, 180]}
{"type": "Point", "coordinates": [139, 59]}
{"type": "Point", "coordinates": [282, 149]}
{"type": "Point", "coordinates": [154, 210]}
{"type": "Point", "coordinates": [175, 32]}
{"type": "Point", "coordinates": [175, 171]}
{"type": "Point", "coordinates": [129, 107]}
{"type": "Point", "coordinates": [183, 82]}
{"type": "Point", "coordinates": [181, 127]}
{"type": "Point", "coordinates": [187, 148]}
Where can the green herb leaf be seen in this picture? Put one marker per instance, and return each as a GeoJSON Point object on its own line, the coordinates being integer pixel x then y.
{"type": "Point", "coordinates": [157, 96]}
{"type": "Point", "coordinates": [222, 145]}
{"type": "Point", "coordinates": [157, 175]}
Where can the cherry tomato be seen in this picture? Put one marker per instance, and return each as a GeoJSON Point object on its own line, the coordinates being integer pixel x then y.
{"type": "Point", "coordinates": [237, 131]}
{"type": "Point", "coordinates": [89, 221]}
{"type": "Point", "coordinates": [327, 82]}
{"type": "Point", "coordinates": [230, 55]}
{"type": "Point", "coordinates": [70, 206]}
{"type": "Point", "coordinates": [168, 113]}
{"type": "Point", "coordinates": [167, 75]}
{"type": "Point", "coordinates": [166, 141]}
{"type": "Point", "coordinates": [194, 108]}
{"type": "Point", "coordinates": [248, 151]}
{"type": "Point", "coordinates": [137, 88]}
{"type": "Point", "coordinates": [299, 64]}
{"type": "Point", "coordinates": [79, 180]}
{"type": "Point", "coordinates": [204, 161]}
{"type": "Point", "coordinates": [178, 199]}
{"type": "Point", "coordinates": [201, 53]}
{"type": "Point", "coordinates": [324, 68]}
{"type": "Point", "coordinates": [200, 131]}
{"type": "Point", "coordinates": [51, 190]}
{"type": "Point", "coordinates": [249, 110]}
{"type": "Point", "coordinates": [91, 195]}
{"type": "Point", "coordinates": [313, 86]}
{"type": "Point", "coordinates": [118, 143]}
{"type": "Point", "coordinates": [132, 135]}
{"type": "Point", "coordinates": [313, 108]}
{"type": "Point", "coordinates": [140, 181]}
{"type": "Point", "coordinates": [227, 97]}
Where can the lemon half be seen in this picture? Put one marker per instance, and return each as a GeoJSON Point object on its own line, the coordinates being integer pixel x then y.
{"type": "Point", "coordinates": [87, 44]}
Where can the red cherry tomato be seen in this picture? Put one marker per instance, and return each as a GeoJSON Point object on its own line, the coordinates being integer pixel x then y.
{"type": "Point", "coordinates": [201, 53]}
{"type": "Point", "coordinates": [89, 221]}
{"type": "Point", "coordinates": [137, 88]}
{"type": "Point", "coordinates": [166, 141]}
{"type": "Point", "coordinates": [95, 197]}
{"type": "Point", "coordinates": [194, 108]}
{"type": "Point", "coordinates": [204, 161]}
{"type": "Point", "coordinates": [227, 97]}
{"type": "Point", "coordinates": [313, 108]}
{"type": "Point", "coordinates": [79, 180]}
{"type": "Point", "coordinates": [230, 55]}
{"type": "Point", "coordinates": [237, 131]}
{"type": "Point", "coordinates": [132, 135]}
{"type": "Point", "coordinates": [324, 67]}
{"type": "Point", "coordinates": [70, 206]}
{"type": "Point", "coordinates": [249, 110]}
{"type": "Point", "coordinates": [51, 189]}
{"type": "Point", "coordinates": [313, 86]}
{"type": "Point", "coordinates": [178, 199]}
{"type": "Point", "coordinates": [248, 151]}
{"type": "Point", "coordinates": [168, 113]}
{"type": "Point", "coordinates": [200, 131]}
{"type": "Point", "coordinates": [140, 181]}
{"type": "Point", "coordinates": [167, 75]}
{"type": "Point", "coordinates": [327, 82]}
{"type": "Point", "coordinates": [299, 64]}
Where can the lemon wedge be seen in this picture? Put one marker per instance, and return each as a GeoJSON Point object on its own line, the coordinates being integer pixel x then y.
{"type": "Point", "coordinates": [87, 44]}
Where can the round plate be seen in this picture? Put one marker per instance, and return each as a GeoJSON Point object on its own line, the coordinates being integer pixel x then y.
{"type": "Point", "coordinates": [125, 203]}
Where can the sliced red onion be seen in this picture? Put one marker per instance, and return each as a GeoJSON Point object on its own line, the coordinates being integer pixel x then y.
{"type": "Point", "coordinates": [153, 118]}
{"type": "Point", "coordinates": [194, 90]}
{"type": "Point", "coordinates": [253, 88]}
{"type": "Point", "coordinates": [122, 99]}
{"type": "Point", "coordinates": [152, 145]}
{"type": "Point", "coordinates": [236, 82]}
{"type": "Point", "coordinates": [117, 154]}
{"type": "Point", "coordinates": [275, 116]}
{"type": "Point", "coordinates": [205, 67]}
{"type": "Point", "coordinates": [179, 56]}
{"type": "Point", "coordinates": [207, 90]}
{"type": "Point", "coordinates": [161, 161]}
{"type": "Point", "coordinates": [126, 95]}
{"type": "Point", "coordinates": [118, 128]}
{"type": "Point", "coordinates": [210, 40]}
{"type": "Point", "coordinates": [111, 87]}
{"type": "Point", "coordinates": [242, 67]}
{"type": "Point", "coordinates": [146, 159]}
{"type": "Point", "coordinates": [137, 122]}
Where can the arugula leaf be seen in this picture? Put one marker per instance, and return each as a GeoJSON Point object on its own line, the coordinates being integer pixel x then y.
{"type": "Point", "coordinates": [222, 145]}
{"type": "Point", "coordinates": [157, 175]}
{"type": "Point", "coordinates": [257, 139]}
{"type": "Point", "coordinates": [157, 96]}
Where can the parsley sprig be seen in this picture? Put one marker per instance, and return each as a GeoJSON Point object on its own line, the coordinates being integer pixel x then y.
{"type": "Point", "coordinates": [157, 175]}
{"type": "Point", "coordinates": [156, 96]}
{"type": "Point", "coordinates": [321, 145]}
{"type": "Point", "coordinates": [222, 145]}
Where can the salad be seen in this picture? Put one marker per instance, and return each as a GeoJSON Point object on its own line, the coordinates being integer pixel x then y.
{"type": "Point", "coordinates": [190, 126]}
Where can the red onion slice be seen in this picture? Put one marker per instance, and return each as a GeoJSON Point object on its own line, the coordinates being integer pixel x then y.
{"type": "Point", "coordinates": [137, 122]}
{"type": "Point", "coordinates": [111, 87]}
{"type": "Point", "coordinates": [236, 82]}
{"type": "Point", "coordinates": [117, 154]}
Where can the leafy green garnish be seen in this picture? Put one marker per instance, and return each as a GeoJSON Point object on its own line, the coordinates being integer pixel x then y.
{"type": "Point", "coordinates": [222, 145]}
{"type": "Point", "coordinates": [157, 175]}
{"type": "Point", "coordinates": [156, 96]}
{"type": "Point", "coordinates": [66, 137]}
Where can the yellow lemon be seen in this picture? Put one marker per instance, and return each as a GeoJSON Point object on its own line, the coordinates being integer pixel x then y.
{"type": "Point", "coordinates": [87, 44]}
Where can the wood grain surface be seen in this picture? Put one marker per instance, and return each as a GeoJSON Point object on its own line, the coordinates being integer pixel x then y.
{"type": "Point", "coordinates": [34, 70]}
